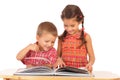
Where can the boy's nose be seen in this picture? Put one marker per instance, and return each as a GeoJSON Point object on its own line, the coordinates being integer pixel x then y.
{"type": "Point", "coordinates": [50, 44]}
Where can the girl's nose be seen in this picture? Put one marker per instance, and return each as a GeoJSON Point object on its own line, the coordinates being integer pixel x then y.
{"type": "Point", "coordinates": [69, 29]}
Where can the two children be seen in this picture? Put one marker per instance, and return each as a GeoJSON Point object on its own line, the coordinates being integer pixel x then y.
{"type": "Point", "coordinates": [74, 45]}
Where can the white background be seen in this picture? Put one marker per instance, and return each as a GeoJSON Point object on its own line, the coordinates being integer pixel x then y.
{"type": "Point", "coordinates": [19, 20]}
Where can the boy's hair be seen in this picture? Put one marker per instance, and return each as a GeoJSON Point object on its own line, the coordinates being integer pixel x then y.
{"type": "Point", "coordinates": [73, 11]}
{"type": "Point", "coordinates": [48, 27]}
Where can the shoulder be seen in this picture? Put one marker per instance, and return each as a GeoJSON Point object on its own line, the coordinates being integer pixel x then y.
{"type": "Point", "coordinates": [87, 36]}
{"type": "Point", "coordinates": [53, 50]}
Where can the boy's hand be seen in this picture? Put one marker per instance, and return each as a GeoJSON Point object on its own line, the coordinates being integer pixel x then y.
{"type": "Point", "coordinates": [33, 47]}
{"type": "Point", "coordinates": [89, 67]}
{"type": "Point", "coordinates": [59, 63]}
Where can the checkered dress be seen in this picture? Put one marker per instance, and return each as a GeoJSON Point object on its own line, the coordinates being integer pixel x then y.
{"type": "Point", "coordinates": [72, 54]}
{"type": "Point", "coordinates": [40, 58]}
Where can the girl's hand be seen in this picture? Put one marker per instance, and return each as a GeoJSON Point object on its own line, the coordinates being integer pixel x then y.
{"type": "Point", "coordinates": [89, 67]}
{"type": "Point", "coordinates": [59, 63]}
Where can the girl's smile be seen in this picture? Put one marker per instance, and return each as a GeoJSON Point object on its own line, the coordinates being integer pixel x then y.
{"type": "Point", "coordinates": [71, 25]}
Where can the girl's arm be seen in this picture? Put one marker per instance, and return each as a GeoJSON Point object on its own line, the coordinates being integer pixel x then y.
{"type": "Point", "coordinates": [24, 51]}
{"type": "Point", "coordinates": [90, 49]}
{"type": "Point", "coordinates": [90, 53]}
{"type": "Point", "coordinates": [59, 54]}
{"type": "Point", "coordinates": [59, 48]}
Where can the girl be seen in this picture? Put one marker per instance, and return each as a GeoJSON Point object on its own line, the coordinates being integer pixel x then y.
{"type": "Point", "coordinates": [74, 44]}
{"type": "Point", "coordinates": [42, 52]}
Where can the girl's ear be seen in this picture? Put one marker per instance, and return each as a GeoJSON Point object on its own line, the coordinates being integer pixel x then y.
{"type": "Point", "coordinates": [37, 37]}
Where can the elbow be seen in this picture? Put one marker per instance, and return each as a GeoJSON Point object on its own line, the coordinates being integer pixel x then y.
{"type": "Point", "coordinates": [18, 58]}
{"type": "Point", "coordinates": [94, 58]}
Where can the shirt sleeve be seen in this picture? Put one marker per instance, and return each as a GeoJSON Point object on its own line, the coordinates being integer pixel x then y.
{"type": "Point", "coordinates": [24, 61]}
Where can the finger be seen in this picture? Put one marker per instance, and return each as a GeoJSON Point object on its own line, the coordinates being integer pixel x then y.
{"type": "Point", "coordinates": [64, 64]}
{"type": "Point", "coordinates": [55, 65]}
{"type": "Point", "coordinates": [86, 67]}
{"type": "Point", "coordinates": [90, 69]}
{"type": "Point", "coordinates": [61, 65]}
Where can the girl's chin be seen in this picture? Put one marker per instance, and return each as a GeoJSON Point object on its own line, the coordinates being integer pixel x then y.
{"type": "Point", "coordinates": [71, 33]}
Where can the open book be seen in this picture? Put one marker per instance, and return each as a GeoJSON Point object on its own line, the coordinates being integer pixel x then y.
{"type": "Point", "coordinates": [47, 71]}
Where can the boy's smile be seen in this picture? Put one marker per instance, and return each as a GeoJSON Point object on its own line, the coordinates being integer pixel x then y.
{"type": "Point", "coordinates": [46, 41]}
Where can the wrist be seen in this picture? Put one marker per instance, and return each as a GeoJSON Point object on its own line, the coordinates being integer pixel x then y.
{"type": "Point", "coordinates": [59, 58]}
{"type": "Point", "coordinates": [90, 63]}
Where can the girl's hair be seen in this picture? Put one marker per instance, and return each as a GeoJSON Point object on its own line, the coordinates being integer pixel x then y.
{"type": "Point", "coordinates": [73, 11]}
{"type": "Point", "coordinates": [48, 27]}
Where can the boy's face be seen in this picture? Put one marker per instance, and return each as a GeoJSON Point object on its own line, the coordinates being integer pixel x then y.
{"type": "Point", "coordinates": [71, 25]}
{"type": "Point", "coordinates": [46, 41]}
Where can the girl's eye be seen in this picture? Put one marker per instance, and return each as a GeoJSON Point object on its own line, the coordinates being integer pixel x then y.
{"type": "Point", "coordinates": [53, 42]}
{"type": "Point", "coordinates": [46, 41]}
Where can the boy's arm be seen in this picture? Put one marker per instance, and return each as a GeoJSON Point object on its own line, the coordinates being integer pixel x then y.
{"type": "Point", "coordinates": [24, 51]}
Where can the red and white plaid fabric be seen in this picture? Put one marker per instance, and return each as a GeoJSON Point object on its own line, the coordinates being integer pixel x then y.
{"type": "Point", "coordinates": [40, 58]}
{"type": "Point", "coordinates": [72, 54]}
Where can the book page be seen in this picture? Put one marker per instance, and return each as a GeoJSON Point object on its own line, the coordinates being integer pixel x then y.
{"type": "Point", "coordinates": [72, 70]}
{"type": "Point", "coordinates": [39, 70]}
{"type": "Point", "coordinates": [47, 71]}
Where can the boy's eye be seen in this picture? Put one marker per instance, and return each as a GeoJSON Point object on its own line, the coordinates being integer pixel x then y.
{"type": "Point", "coordinates": [72, 25]}
{"type": "Point", "coordinates": [65, 25]}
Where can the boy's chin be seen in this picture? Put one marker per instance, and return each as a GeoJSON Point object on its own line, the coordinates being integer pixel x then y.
{"type": "Point", "coordinates": [46, 49]}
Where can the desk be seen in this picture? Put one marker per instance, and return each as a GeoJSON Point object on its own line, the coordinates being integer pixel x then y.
{"type": "Point", "coordinates": [99, 75]}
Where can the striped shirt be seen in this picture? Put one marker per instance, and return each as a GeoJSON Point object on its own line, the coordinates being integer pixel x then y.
{"type": "Point", "coordinates": [40, 58]}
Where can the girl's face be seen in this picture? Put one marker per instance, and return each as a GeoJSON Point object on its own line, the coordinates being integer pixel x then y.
{"type": "Point", "coordinates": [71, 25]}
{"type": "Point", "coordinates": [46, 41]}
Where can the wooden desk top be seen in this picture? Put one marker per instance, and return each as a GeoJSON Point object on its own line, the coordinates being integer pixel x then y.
{"type": "Point", "coordinates": [99, 75]}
